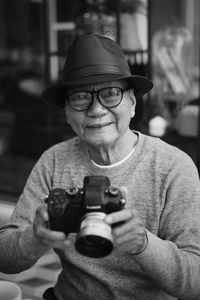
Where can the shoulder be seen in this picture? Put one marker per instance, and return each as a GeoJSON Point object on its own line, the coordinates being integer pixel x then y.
{"type": "Point", "coordinates": [163, 155]}
{"type": "Point", "coordinates": [60, 153]}
{"type": "Point", "coordinates": [64, 149]}
{"type": "Point", "coordinates": [161, 148]}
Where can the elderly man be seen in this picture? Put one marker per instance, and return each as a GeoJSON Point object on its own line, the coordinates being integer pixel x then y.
{"type": "Point", "coordinates": [155, 237]}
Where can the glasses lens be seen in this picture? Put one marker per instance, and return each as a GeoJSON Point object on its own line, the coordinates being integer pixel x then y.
{"type": "Point", "coordinates": [110, 96]}
{"type": "Point", "coordinates": [80, 100]}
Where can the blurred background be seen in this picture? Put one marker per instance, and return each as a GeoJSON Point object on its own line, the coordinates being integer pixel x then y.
{"type": "Point", "coordinates": [160, 39]}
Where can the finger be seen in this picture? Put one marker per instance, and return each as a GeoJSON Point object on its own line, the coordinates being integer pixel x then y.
{"type": "Point", "coordinates": [51, 235]}
{"type": "Point", "coordinates": [63, 245]}
{"type": "Point", "coordinates": [129, 247]}
{"type": "Point", "coordinates": [134, 235]}
{"type": "Point", "coordinates": [126, 227]}
{"type": "Point", "coordinates": [50, 239]}
{"type": "Point", "coordinates": [124, 192]}
{"type": "Point", "coordinates": [40, 221]}
{"type": "Point", "coordinates": [42, 214]}
{"type": "Point", "coordinates": [59, 243]}
{"type": "Point", "coordinates": [134, 246]}
{"type": "Point", "coordinates": [122, 215]}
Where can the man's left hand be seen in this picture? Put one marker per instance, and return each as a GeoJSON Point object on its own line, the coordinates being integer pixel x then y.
{"type": "Point", "coordinates": [129, 235]}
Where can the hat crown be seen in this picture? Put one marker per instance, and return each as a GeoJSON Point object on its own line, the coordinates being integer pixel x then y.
{"type": "Point", "coordinates": [94, 59]}
{"type": "Point", "coordinates": [91, 55]}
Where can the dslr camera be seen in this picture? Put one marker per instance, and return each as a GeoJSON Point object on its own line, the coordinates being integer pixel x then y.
{"type": "Point", "coordinates": [82, 211]}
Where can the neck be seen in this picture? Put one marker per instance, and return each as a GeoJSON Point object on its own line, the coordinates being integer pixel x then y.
{"type": "Point", "coordinates": [111, 154]}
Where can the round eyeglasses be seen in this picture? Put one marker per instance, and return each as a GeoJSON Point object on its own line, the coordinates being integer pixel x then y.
{"type": "Point", "coordinates": [108, 97]}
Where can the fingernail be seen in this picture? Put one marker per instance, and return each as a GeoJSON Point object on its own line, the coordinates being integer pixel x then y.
{"type": "Point", "coordinates": [108, 219]}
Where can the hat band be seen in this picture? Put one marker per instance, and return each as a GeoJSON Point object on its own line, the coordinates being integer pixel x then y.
{"type": "Point", "coordinates": [94, 70]}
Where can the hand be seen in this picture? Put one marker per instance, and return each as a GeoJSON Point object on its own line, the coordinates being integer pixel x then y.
{"type": "Point", "coordinates": [50, 238]}
{"type": "Point", "coordinates": [130, 235]}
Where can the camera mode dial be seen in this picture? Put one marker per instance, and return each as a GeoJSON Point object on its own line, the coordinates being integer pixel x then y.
{"type": "Point", "coordinates": [113, 192]}
{"type": "Point", "coordinates": [57, 202]}
{"type": "Point", "coordinates": [72, 191]}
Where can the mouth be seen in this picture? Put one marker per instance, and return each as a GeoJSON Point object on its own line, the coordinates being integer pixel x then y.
{"type": "Point", "coordinates": [94, 126]}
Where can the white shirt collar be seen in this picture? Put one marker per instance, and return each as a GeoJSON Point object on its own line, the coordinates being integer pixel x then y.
{"type": "Point", "coordinates": [115, 164]}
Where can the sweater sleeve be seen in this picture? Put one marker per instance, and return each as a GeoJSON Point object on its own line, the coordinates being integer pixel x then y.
{"type": "Point", "coordinates": [19, 248]}
{"type": "Point", "coordinates": [172, 259]}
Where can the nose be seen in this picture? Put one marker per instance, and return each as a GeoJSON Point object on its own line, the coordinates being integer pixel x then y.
{"type": "Point", "coordinates": [96, 109]}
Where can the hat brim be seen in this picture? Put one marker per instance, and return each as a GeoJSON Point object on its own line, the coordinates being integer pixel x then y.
{"type": "Point", "coordinates": [56, 94]}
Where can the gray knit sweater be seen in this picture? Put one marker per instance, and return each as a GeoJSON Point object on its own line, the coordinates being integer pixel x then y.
{"type": "Point", "coordinates": [163, 186]}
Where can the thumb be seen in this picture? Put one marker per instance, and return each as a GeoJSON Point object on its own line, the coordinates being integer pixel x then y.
{"type": "Point", "coordinates": [124, 192]}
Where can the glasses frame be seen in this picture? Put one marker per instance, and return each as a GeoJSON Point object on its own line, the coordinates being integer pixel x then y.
{"type": "Point", "coordinates": [92, 93]}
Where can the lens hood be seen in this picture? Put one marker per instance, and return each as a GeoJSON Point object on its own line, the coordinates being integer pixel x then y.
{"type": "Point", "coordinates": [95, 236]}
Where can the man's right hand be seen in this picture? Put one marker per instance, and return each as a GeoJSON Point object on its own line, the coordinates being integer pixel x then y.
{"type": "Point", "coordinates": [46, 236]}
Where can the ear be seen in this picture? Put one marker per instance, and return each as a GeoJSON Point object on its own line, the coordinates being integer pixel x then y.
{"type": "Point", "coordinates": [133, 99]}
{"type": "Point", "coordinates": [66, 115]}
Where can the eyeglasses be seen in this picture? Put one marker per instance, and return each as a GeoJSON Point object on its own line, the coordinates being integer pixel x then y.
{"type": "Point", "coordinates": [108, 97]}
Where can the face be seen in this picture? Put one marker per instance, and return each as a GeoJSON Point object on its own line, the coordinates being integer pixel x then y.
{"type": "Point", "coordinates": [99, 125]}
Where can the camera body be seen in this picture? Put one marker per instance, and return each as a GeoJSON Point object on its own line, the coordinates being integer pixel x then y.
{"type": "Point", "coordinates": [82, 210]}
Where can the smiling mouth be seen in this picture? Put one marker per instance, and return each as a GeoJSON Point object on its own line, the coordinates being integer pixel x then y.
{"type": "Point", "coordinates": [98, 125]}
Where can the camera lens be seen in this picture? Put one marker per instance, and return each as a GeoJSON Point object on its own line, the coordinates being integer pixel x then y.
{"type": "Point", "coordinates": [95, 237]}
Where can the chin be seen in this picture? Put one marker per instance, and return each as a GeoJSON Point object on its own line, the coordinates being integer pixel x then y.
{"type": "Point", "coordinates": [99, 140]}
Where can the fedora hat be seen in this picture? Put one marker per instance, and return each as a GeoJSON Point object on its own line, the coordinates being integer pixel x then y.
{"type": "Point", "coordinates": [93, 59]}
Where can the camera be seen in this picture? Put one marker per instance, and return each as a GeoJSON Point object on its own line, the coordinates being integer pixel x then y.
{"type": "Point", "coordinates": [82, 211]}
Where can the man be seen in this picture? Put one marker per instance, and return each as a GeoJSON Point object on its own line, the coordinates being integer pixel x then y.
{"type": "Point", "coordinates": [156, 236]}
